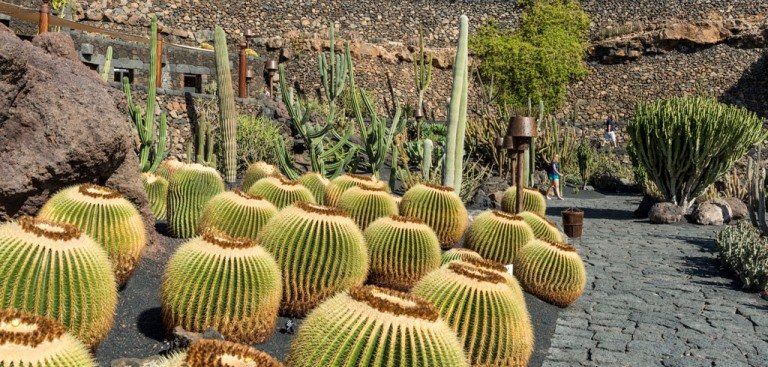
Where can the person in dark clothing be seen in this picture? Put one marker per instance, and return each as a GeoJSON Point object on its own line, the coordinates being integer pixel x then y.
{"type": "Point", "coordinates": [553, 170]}
{"type": "Point", "coordinates": [610, 131]}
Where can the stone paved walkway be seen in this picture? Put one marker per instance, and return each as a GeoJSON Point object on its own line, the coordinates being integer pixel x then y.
{"type": "Point", "coordinates": [656, 296]}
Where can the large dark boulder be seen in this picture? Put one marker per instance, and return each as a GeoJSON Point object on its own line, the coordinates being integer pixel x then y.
{"type": "Point", "coordinates": [59, 126]}
{"type": "Point", "coordinates": [665, 213]}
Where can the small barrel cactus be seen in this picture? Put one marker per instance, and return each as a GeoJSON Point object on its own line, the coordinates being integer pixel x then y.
{"type": "Point", "coordinates": [28, 340]}
{"type": "Point", "coordinates": [441, 208]}
{"type": "Point", "coordinates": [375, 327]}
{"type": "Point", "coordinates": [220, 353]}
{"type": "Point", "coordinates": [366, 204]}
{"type": "Point", "coordinates": [498, 236]}
{"type": "Point", "coordinates": [320, 251]}
{"type": "Point", "coordinates": [157, 192]}
{"type": "Point", "coordinates": [189, 189]}
{"type": "Point", "coordinates": [458, 254]}
{"type": "Point", "coordinates": [543, 228]}
{"type": "Point", "coordinates": [316, 183]}
{"type": "Point", "coordinates": [106, 216]}
{"type": "Point", "coordinates": [533, 201]}
{"type": "Point", "coordinates": [37, 256]}
{"type": "Point", "coordinates": [281, 192]}
{"type": "Point", "coordinates": [402, 250]}
{"type": "Point", "coordinates": [237, 214]}
{"type": "Point", "coordinates": [257, 171]}
{"type": "Point", "coordinates": [338, 185]}
{"type": "Point", "coordinates": [551, 271]}
{"type": "Point", "coordinates": [483, 310]}
{"type": "Point", "coordinates": [168, 167]}
{"type": "Point", "coordinates": [216, 281]}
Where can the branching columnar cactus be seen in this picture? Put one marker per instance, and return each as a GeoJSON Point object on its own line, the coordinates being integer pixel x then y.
{"type": "Point", "coordinates": [458, 254]}
{"type": "Point", "coordinates": [67, 266]}
{"type": "Point", "coordinates": [533, 201]}
{"type": "Point", "coordinates": [482, 309]}
{"type": "Point", "coordinates": [457, 113]}
{"type": "Point", "coordinates": [219, 353]}
{"type": "Point", "coordinates": [498, 236]}
{"type": "Point", "coordinates": [157, 192]}
{"type": "Point", "coordinates": [319, 250]}
{"type": "Point", "coordinates": [257, 171]}
{"type": "Point", "coordinates": [28, 340]}
{"type": "Point", "coordinates": [365, 204]}
{"type": "Point", "coordinates": [338, 185]}
{"type": "Point", "coordinates": [316, 183]}
{"type": "Point", "coordinates": [227, 107]}
{"type": "Point", "coordinates": [375, 327]}
{"type": "Point", "coordinates": [106, 216]}
{"type": "Point", "coordinates": [551, 271]}
{"type": "Point", "coordinates": [402, 250]}
{"type": "Point", "coordinates": [237, 214]}
{"type": "Point", "coordinates": [543, 228]}
{"type": "Point", "coordinates": [281, 192]}
{"type": "Point", "coordinates": [189, 189]}
{"type": "Point", "coordinates": [168, 167]}
{"type": "Point", "coordinates": [441, 208]}
{"type": "Point", "coordinates": [229, 284]}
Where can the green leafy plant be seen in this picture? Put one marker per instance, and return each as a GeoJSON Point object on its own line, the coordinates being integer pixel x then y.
{"type": "Point", "coordinates": [585, 156]}
{"type": "Point", "coordinates": [258, 138]}
{"type": "Point", "coordinates": [742, 248]}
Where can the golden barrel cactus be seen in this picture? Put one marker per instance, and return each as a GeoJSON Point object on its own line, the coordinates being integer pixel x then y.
{"type": "Point", "coordinates": [316, 183]}
{"type": "Point", "coordinates": [543, 228]}
{"type": "Point", "coordinates": [237, 214]}
{"type": "Point", "coordinates": [338, 185]}
{"type": "Point", "coordinates": [533, 201]}
{"type": "Point", "coordinates": [499, 269]}
{"type": "Point", "coordinates": [440, 208]}
{"type": "Point", "coordinates": [157, 193]}
{"type": "Point", "coordinates": [189, 189]}
{"type": "Point", "coordinates": [366, 204]}
{"type": "Point", "coordinates": [281, 192]}
{"type": "Point", "coordinates": [498, 236]}
{"type": "Point", "coordinates": [219, 353]}
{"type": "Point", "coordinates": [551, 271]}
{"type": "Point", "coordinates": [168, 167]}
{"type": "Point", "coordinates": [458, 254]}
{"type": "Point", "coordinates": [257, 171]}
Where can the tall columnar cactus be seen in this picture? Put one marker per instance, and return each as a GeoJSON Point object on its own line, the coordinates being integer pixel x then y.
{"type": "Point", "coordinates": [157, 192]}
{"type": "Point", "coordinates": [220, 353]}
{"type": "Point", "coordinates": [217, 281]}
{"type": "Point", "coordinates": [227, 107]}
{"type": "Point", "coordinates": [319, 250]}
{"type": "Point", "coordinates": [316, 183]}
{"type": "Point", "coordinates": [200, 147]}
{"type": "Point", "coordinates": [189, 189]}
{"type": "Point", "coordinates": [69, 268]}
{"type": "Point", "coordinates": [422, 75]}
{"type": "Point", "coordinates": [237, 214]}
{"type": "Point", "coordinates": [281, 192]}
{"type": "Point", "coordinates": [426, 159]}
{"type": "Point", "coordinates": [458, 254]}
{"type": "Point", "coordinates": [338, 185]}
{"type": "Point", "coordinates": [375, 327]}
{"type": "Point", "coordinates": [106, 216]}
{"type": "Point", "coordinates": [482, 309]}
{"type": "Point", "coordinates": [29, 340]}
{"type": "Point", "coordinates": [257, 171]}
{"type": "Point", "coordinates": [441, 208]}
{"type": "Point", "coordinates": [551, 271]}
{"type": "Point", "coordinates": [402, 250]}
{"type": "Point", "coordinates": [498, 236]}
{"type": "Point", "coordinates": [106, 69]}
{"type": "Point", "coordinates": [533, 201]}
{"type": "Point", "coordinates": [457, 113]}
{"type": "Point", "coordinates": [366, 204]}
{"type": "Point", "coordinates": [543, 228]}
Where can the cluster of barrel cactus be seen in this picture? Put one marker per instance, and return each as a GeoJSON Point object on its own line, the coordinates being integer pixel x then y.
{"type": "Point", "coordinates": [338, 185]}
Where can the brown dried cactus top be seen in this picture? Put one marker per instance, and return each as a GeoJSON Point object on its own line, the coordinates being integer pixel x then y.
{"type": "Point", "coordinates": [50, 230]}
{"type": "Point", "coordinates": [367, 178]}
{"type": "Point", "coordinates": [368, 187]}
{"type": "Point", "coordinates": [476, 273]}
{"type": "Point", "coordinates": [562, 246]}
{"type": "Point", "coordinates": [394, 302]}
{"type": "Point", "coordinates": [507, 216]}
{"type": "Point", "coordinates": [223, 240]}
{"type": "Point", "coordinates": [284, 180]}
{"type": "Point", "coordinates": [219, 353]}
{"type": "Point", "coordinates": [404, 219]}
{"type": "Point", "coordinates": [246, 195]}
{"type": "Point", "coordinates": [26, 329]}
{"type": "Point", "coordinates": [486, 264]}
{"type": "Point", "coordinates": [322, 210]}
{"type": "Point", "coordinates": [439, 187]}
{"type": "Point", "coordinates": [99, 192]}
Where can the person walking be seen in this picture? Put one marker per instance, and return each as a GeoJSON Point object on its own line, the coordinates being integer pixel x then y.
{"type": "Point", "coordinates": [553, 171]}
{"type": "Point", "coordinates": [610, 131]}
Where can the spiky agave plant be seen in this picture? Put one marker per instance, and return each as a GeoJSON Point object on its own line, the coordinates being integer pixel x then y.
{"type": "Point", "coordinates": [106, 216]}
{"type": "Point", "coordinates": [320, 251]}
{"type": "Point", "coordinates": [551, 271]}
{"type": "Point", "coordinates": [57, 260]}
{"type": "Point", "coordinates": [543, 228]}
{"type": "Point", "coordinates": [338, 185]}
{"type": "Point", "coordinates": [281, 191]}
{"type": "Point", "coordinates": [257, 171]}
{"type": "Point", "coordinates": [219, 353]}
{"type": "Point", "coordinates": [441, 208]}
{"type": "Point", "coordinates": [157, 192]}
{"type": "Point", "coordinates": [237, 214]}
{"type": "Point", "coordinates": [28, 340]}
{"type": "Point", "coordinates": [402, 250]}
{"type": "Point", "coordinates": [189, 189]}
{"type": "Point", "coordinates": [482, 309]}
{"type": "Point", "coordinates": [316, 183]}
{"type": "Point", "coordinates": [216, 281]}
{"type": "Point", "coordinates": [168, 167]}
{"type": "Point", "coordinates": [458, 254]}
{"type": "Point", "coordinates": [366, 204]}
{"type": "Point", "coordinates": [372, 326]}
{"type": "Point", "coordinates": [533, 201]}
{"type": "Point", "coordinates": [498, 236]}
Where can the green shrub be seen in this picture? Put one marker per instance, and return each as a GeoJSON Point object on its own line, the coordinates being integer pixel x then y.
{"type": "Point", "coordinates": [745, 252]}
{"type": "Point", "coordinates": [257, 139]}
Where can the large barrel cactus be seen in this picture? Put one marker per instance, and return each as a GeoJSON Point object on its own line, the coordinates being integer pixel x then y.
{"type": "Point", "coordinates": [458, 254]}
{"type": "Point", "coordinates": [319, 250]}
{"type": "Point", "coordinates": [157, 192]}
{"type": "Point", "coordinates": [338, 185]}
{"type": "Point", "coordinates": [316, 183]}
{"type": "Point", "coordinates": [533, 201]}
{"type": "Point", "coordinates": [219, 353]}
{"type": "Point", "coordinates": [402, 250]}
{"type": "Point", "coordinates": [366, 204]}
{"type": "Point", "coordinates": [237, 214]}
{"type": "Point", "coordinates": [257, 171]}
{"type": "Point", "coordinates": [28, 340]}
{"type": "Point", "coordinates": [189, 189]}
{"type": "Point", "coordinates": [483, 310]}
{"type": "Point", "coordinates": [281, 192]}
{"type": "Point", "coordinates": [375, 327]}
{"type": "Point", "coordinates": [501, 270]}
{"type": "Point", "coordinates": [216, 281]}
{"type": "Point", "coordinates": [59, 261]}
{"type": "Point", "coordinates": [543, 228]}
{"type": "Point", "coordinates": [106, 216]}
{"type": "Point", "coordinates": [498, 236]}
{"type": "Point", "coordinates": [441, 208]}
{"type": "Point", "coordinates": [168, 167]}
{"type": "Point", "coordinates": [551, 271]}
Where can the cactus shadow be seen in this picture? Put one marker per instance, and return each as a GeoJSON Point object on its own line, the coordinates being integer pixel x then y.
{"type": "Point", "coordinates": [751, 90]}
{"type": "Point", "coordinates": [150, 324]}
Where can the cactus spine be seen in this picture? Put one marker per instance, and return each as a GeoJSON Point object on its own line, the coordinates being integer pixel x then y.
{"type": "Point", "coordinates": [498, 236]}
{"type": "Point", "coordinates": [281, 192]}
{"type": "Point", "coordinates": [542, 227]}
{"type": "Point", "coordinates": [257, 171]}
{"type": "Point", "coordinates": [189, 190]}
{"type": "Point", "coordinates": [227, 108]}
{"type": "Point", "coordinates": [338, 185]}
{"type": "Point", "coordinates": [551, 271]}
{"type": "Point", "coordinates": [220, 353]}
{"type": "Point", "coordinates": [157, 192]}
{"type": "Point", "coordinates": [457, 114]}
{"type": "Point", "coordinates": [365, 204]}
{"type": "Point", "coordinates": [458, 254]}
{"type": "Point", "coordinates": [441, 208]}
{"type": "Point", "coordinates": [533, 201]}
{"type": "Point", "coordinates": [106, 69]}
{"type": "Point", "coordinates": [316, 183]}
{"type": "Point", "coordinates": [237, 214]}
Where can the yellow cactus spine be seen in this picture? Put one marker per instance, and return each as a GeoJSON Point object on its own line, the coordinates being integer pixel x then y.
{"type": "Point", "coordinates": [281, 192]}
{"type": "Point", "coordinates": [533, 201]}
{"type": "Point", "coordinates": [498, 236]}
{"type": "Point", "coordinates": [237, 214]}
{"type": "Point", "coordinates": [189, 189]}
{"type": "Point", "coordinates": [366, 204]}
{"type": "Point", "coordinates": [338, 185]}
{"type": "Point", "coordinates": [219, 353]}
{"type": "Point", "coordinates": [441, 208]}
{"type": "Point", "coordinates": [551, 271]}
{"type": "Point", "coordinates": [316, 183]}
{"type": "Point", "coordinates": [257, 171]}
{"type": "Point", "coordinates": [543, 228]}
{"type": "Point", "coordinates": [458, 254]}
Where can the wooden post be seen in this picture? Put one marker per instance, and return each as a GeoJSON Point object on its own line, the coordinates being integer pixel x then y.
{"type": "Point", "coordinates": [242, 72]}
{"type": "Point", "coordinates": [42, 25]}
{"type": "Point", "coordinates": [159, 80]}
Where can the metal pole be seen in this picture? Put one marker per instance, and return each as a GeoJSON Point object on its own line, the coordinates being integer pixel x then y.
{"type": "Point", "coordinates": [42, 25]}
{"type": "Point", "coordinates": [242, 82]}
{"type": "Point", "coordinates": [519, 176]}
{"type": "Point", "coordinates": [159, 81]}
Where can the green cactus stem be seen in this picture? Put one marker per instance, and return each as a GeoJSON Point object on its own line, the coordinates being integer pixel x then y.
{"type": "Point", "coordinates": [227, 107]}
{"type": "Point", "coordinates": [457, 113]}
{"type": "Point", "coordinates": [106, 69]}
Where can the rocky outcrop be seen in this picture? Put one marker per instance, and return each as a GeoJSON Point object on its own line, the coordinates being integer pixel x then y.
{"type": "Point", "coordinates": [739, 210]}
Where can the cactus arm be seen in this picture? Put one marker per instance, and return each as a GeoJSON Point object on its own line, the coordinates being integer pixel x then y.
{"type": "Point", "coordinates": [227, 107]}
{"type": "Point", "coordinates": [458, 94]}
{"type": "Point", "coordinates": [161, 149]}
{"type": "Point", "coordinates": [285, 162]}
{"type": "Point", "coordinates": [106, 69]}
